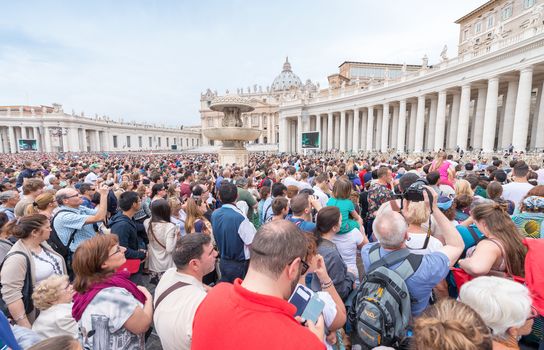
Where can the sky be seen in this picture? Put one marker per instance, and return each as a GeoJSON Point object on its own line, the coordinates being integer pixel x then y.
{"type": "Point", "coordinates": [149, 61]}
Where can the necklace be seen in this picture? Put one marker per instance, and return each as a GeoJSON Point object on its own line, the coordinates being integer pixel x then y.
{"type": "Point", "coordinates": [53, 262]}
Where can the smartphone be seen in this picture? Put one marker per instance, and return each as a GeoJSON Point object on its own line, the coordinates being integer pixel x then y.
{"type": "Point", "coordinates": [309, 305]}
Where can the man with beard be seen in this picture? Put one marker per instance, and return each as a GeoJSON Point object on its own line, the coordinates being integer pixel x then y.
{"type": "Point", "coordinates": [255, 311]}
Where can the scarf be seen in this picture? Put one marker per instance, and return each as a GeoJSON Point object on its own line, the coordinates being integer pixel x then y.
{"type": "Point", "coordinates": [119, 279]}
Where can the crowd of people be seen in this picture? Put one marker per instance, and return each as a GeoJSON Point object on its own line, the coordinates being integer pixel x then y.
{"type": "Point", "coordinates": [433, 251]}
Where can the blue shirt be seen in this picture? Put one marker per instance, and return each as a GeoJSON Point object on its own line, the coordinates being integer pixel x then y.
{"type": "Point", "coordinates": [74, 219]}
{"type": "Point", "coordinates": [303, 225]}
{"type": "Point", "coordinates": [433, 269]}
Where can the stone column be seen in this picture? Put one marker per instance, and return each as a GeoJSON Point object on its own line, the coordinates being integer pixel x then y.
{"type": "Point", "coordinates": [66, 142]}
{"type": "Point", "coordinates": [490, 119]}
{"type": "Point", "coordinates": [24, 134]}
{"type": "Point", "coordinates": [12, 141]}
{"type": "Point", "coordinates": [479, 118]}
{"type": "Point", "coordinates": [84, 140]}
{"type": "Point", "coordinates": [379, 124]}
{"type": "Point", "coordinates": [330, 122]}
{"type": "Point", "coordinates": [385, 128]}
{"type": "Point", "coordinates": [364, 123]}
{"type": "Point", "coordinates": [395, 127]}
{"type": "Point", "coordinates": [432, 123]}
{"type": "Point", "coordinates": [318, 129]}
{"type": "Point", "coordinates": [412, 131]}
{"type": "Point", "coordinates": [337, 132]}
{"type": "Point", "coordinates": [342, 131]}
{"type": "Point", "coordinates": [299, 133]}
{"type": "Point", "coordinates": [464, 110]}
{"type": "Point", "coordinates": [261, 137]}
{"type": "Point", "coordinates": [440, 131]}
{"type": "Point", "coordinates": [454, 120]}
{"type": "Point", "coordinates": [509, 110]}
{"type": "Point", "coordinates": [36, 136]}
{"type": "Point", "coordinates": [370, 129]}
{"type": "Point", "coordinates": [349, 132]}
{"type": "Point", "coordinates": [47, 139]}
{"type": "Point", "coordinates": [97, 142]}
{"type": "Point", "coordinates": [420, 124]}
{"type": "Point", "coordinates": [401, 127]}
{"type": "Point", "coordinates": [356, 129]}
{"type": "Point", "coordinates": [523, 108]}
{"type": "Point", "coordinates": [539, 139]}
{"type": "Point", "coordinates": [282, 147]}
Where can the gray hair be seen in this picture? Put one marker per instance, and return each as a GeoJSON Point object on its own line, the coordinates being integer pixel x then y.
{"type": "Point", "coordinates": [390, 229]}
{"type": "Point", "coordinates": [61, 195]}
{"type": "Point", "coordinates": [500, 302]}
{"type": "Point", "coordinates": [7, 195]}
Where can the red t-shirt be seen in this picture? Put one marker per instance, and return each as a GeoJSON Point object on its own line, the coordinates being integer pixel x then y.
{"type": "Point", "coordinates": [231, 317]}
{"type": "Point", "coordinates": [185, 190]}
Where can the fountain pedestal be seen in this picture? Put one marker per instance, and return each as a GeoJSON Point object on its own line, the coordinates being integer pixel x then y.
{"type": "Point", "coordinates": [232, 133]}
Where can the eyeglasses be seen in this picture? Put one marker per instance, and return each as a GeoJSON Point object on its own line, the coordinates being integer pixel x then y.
{"type": "Point", "coordinates": [305, 267]}
{"type": "Point", "coordinates": [534, 313]}
{"type": "Point", "coordinates": [118, 250]}
{"type": "Point", "coordinates": [75, 195]}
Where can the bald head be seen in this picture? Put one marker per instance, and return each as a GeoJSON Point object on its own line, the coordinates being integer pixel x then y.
{"type": "Point", "coordinates": [390, 229]}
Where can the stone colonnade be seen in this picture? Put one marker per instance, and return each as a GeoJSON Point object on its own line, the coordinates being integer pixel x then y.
{"type": "Point", "coordinates": [492, 113]}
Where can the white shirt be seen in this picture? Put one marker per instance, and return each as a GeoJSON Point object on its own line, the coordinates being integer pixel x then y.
{"type": "Point", "coordinates": [322, 196]}
{"type": "Point", "coordinates": [515, 191]}
{"type": "Point", "coordinates": [173, 318]}
{"type": "Point", "coordinates": [56, 321]}
{"type": "Point", "coordinates": [91, 178]}
{"type": "Point", "coordinates": [416, 241]}
{"type": "Point", "coordinates": [291, 181]}
{"type": "Point", "coordinates": [347, 247]}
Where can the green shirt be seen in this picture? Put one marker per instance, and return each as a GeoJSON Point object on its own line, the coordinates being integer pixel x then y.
{"type": "Point", "coordinates": [346, 206]}
{"type": "Point", "coordinates": [244, 195]}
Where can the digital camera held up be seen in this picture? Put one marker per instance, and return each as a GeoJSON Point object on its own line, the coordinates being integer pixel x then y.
{"type": "Point", "coordinates": [414, 193]}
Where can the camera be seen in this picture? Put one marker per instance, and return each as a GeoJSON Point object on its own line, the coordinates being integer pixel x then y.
{"type": "Point", "coordinates": [414, 193]}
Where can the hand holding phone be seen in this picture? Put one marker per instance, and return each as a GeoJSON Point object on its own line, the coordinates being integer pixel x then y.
{"type": "Point", "coordinates": [309, 305]}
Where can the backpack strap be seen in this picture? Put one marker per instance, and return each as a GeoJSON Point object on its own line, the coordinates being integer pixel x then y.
{"type": "Point", "coordinates": [172, 288]}
{"type": "Point", "coordinates": [474, 235]}
{"type": "Point", "coordinates": [389, 259]}
{"type": "Point", "coordinates": [72, 235]}
{"type": "Point", "coordinates": [409, 266]}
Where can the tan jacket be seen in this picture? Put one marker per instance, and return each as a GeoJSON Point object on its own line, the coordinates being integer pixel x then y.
{"type": "Point", "coordinates": [167, 233]}
{"type": "Point", "coordinates": [13, 273]}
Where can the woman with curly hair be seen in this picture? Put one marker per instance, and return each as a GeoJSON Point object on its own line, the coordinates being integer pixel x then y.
{"type": "Point", "coordinates": [53, 297]}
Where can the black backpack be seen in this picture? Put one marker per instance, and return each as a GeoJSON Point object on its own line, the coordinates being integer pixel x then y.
{"type": "Point", "coordinates": [27, 290]}
{"type": "Point", "coordinates": [56, 243]}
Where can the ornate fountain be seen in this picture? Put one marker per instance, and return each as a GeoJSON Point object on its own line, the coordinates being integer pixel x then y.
{"type": "Point", "coordinates": [232, 132]}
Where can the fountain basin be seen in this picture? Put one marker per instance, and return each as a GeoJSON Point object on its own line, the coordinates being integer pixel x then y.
{"type": "Point", "coordinates": [232, 134]}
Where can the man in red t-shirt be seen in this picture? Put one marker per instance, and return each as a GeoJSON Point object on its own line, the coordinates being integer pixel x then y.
{"type": "Point", "coordinates": [185, 187]}
{"type": "Point", "coordinates": [254, 313]}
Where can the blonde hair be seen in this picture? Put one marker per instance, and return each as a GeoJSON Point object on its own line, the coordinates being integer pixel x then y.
{"type": "Point", "coordinates": [417, 213]}
{"type": "Point", "coordinates": [451, 325]}
{"type": "Point", "coordinates": [40, 203]}
{"type": "Point", "coordinates": [47, 292]}
{"type": "Point", "coordinates": [463, 187]}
